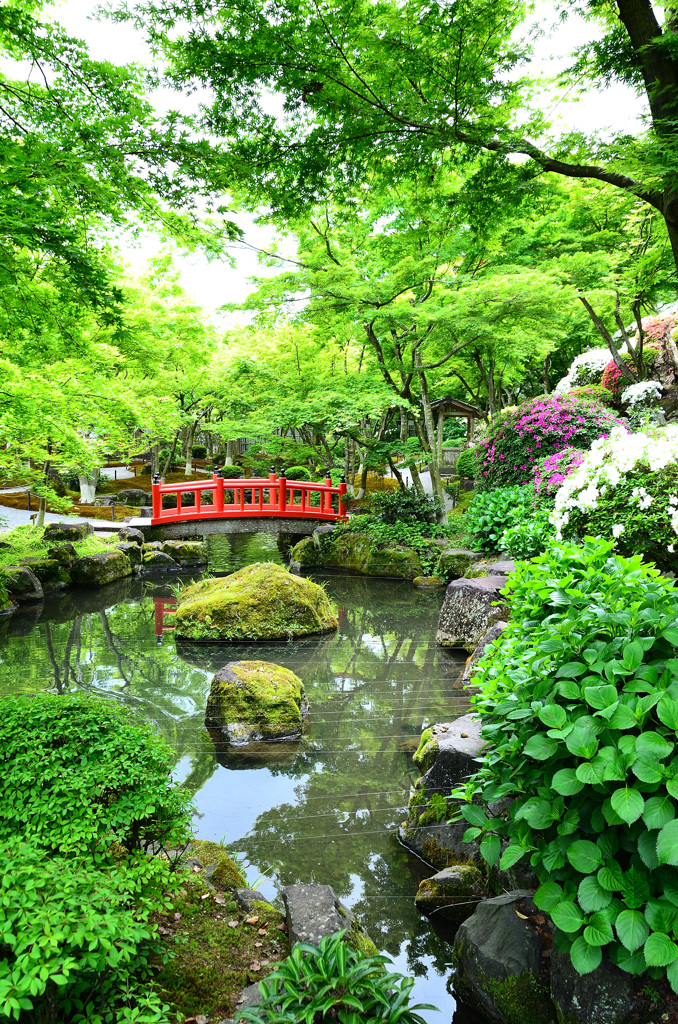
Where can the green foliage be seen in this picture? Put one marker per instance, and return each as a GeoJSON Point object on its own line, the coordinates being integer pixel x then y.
{"type": "Point", "coordinates": [492, 513]}
{"type": "Point", "coordinates": [403, 517]}
{"type": "Point", "coordinates": [580, 707]}
{"type": "Point", "coordinates": [198, 451]}
{"type": "Point", "coordinates": [75, 941]}
{"type": "Point", "coordinates": [79, 774]}
{"type": "Point", "coordinates": [395, 506]}
{"type": "Point", "coordinates": [593, 393]}
{"type": "Point", "coordinates": [298, 473]}
{"type": "Point", "coordinates": [466, 464]}
{"type": "Point", "coordinates": [333, 982]}
{"type": "Point", "coordinates": [529, 537]}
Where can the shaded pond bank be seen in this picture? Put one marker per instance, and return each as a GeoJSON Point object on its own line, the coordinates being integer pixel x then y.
{"type": "Point", "coordinates": [320, 810]}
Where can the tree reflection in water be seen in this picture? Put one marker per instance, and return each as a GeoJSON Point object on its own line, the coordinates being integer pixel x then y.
{"type": "Point", "coordinates": [324, 809]}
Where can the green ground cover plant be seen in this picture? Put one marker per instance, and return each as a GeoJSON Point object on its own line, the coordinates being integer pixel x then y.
{"type": "Point", "coordinates": [27, 542]}
{"type": "Point", "coordinates": [403, 517]}
{"type": "Point", "coordinates": [492, 513]}
{"type": "Point", "coordinates": [580, 706]}
{"type": "Point", "coordinates": [333, 982]}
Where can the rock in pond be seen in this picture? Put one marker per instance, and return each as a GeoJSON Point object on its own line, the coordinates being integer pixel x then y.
{"type": "Point", "coordinates": [186, 552]}
{"type": "Point", "coordinates": [356, 552]}
{"type": "Point", "coordinates": [22, 584]}
{"type": "Point", "coordinates": [604, 996]}
{"type": "Point", "coordinates": [158, 561]}
{"type": "Point", "coordinates": [498, 953]}
{"type": "Point", "coordinates": [447, 752]}
{"type": "Point", "coordinates": [263, 601]}
{"type": "Point", "coordinates": [49, 571]}
{"type": "Point", "coordinates": [104, 567]}
{"type": "Point", "coordinates": [452, 893]}
{"type": "Point", "coordinates": [314, 912]}
{"type": "Point", "coordinates": [132, 550]}
{"type": "Point", "coordinates": [428, 582]}
{"type": "Point", "coordinates": [57, 532]}
{"type": "Point", "coordinates": [469, 609]}
{"type": "Point", "coordinates": [256, 700]}
{"type": "Point", "coordinates": [129, 535]}
{"type": "Point", "coordinates": [64, 554]}
{"type": "Point", "coordinates": [454, 562]}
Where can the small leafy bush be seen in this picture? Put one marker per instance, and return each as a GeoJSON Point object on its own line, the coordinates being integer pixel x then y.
{"type": "Point", "coordinates": [78, 773]}
{"type": "Point", "coordinates": [627, 489]}
{"type": "Point", "coordinates": [580, 708]}
{"type": "Point", "coordinates": [198, 451]}
{"type": "Point", "coordinates": [529, 537]}
{"type": "Point", "coordinates": [333, 982]}
{"type": "Point", "coordinates": [298, 473]}
{"type": "Point", "coordinates": [594, 393]}
{"type": "Point", "coordinates": [492, 513]}
{"type": "Point", "coordinates": [395, 506]}
{"type": "Point", "coordinates": [75, 941]}
{"type": "Point", "coordinates": [466, 464]}
{"type": "Point", "coordinates": [540, 427]}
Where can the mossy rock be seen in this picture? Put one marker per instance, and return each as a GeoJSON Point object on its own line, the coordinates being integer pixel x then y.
{"type": "Point", "coordinates": [186, 552]}
{"type": "Point", "coordinates": [104, 567]}
{"type": "Point", "coordinates": [428, 582]}
{"type": "Point", "coordinates": [256, 700]}
{"type": "Point", "coordinates": [454, 892]}
{"type": "Point", "coordinates": [49, 571]}
{"type": "Point", "coordinates": [227, 876]}
{"type": "Point", "coordinates": [455, 562]}
{"type": "Point", "coordinates": [425, 753]}
{"type": "Point", "coordinates": [263, 601]}
{"type": "Point", "coordinates": [306, 554]}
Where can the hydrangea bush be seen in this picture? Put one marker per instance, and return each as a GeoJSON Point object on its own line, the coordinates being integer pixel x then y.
{"type": "Point", "coordinates": [579, 706]}
{"type": "Point", "coordinates": [627, 489]}
{"type": "Point", "coordinates": [543, 426]}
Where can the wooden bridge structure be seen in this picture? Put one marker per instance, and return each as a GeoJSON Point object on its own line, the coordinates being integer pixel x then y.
{"type": "Point", "coordinates": [221, 498]}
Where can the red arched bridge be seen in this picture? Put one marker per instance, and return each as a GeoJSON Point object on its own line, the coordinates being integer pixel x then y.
{"type": "Point", "coordinates": [257, 498]}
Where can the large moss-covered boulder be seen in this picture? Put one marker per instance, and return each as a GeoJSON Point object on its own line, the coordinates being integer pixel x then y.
{"type": "Point", "coordinates": [251, 701]}
{"type": "Point", "coordinates": [158, 561]}
{"type": "Point", "coordinates": [453, 893]}
{"type": "Point", "coordinates": [104, 567]}
{"type": "Point", "coordinates": [455, 562]}
{"type": "Point", "coordinates": [22, 584]}
{"type": "Point", "coordinates": [357, 552]}
{"type": "Point", "coordinates": [49, 571]}
{"type": "Point", "coordinates": [263, 601]}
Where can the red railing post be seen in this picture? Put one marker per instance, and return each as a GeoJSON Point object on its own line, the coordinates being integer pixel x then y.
{"type": "Point", "coordinates": [342, 492]}
{"type": "Point", "coordinates": [326, 497]}
{"type": "Point", "coordinates": [218, 481]}
{"type": "Point", "coordinates": [272, 476]}
{"type": "Point", "coordinates": [157, 497]}
{"type": "Point", "coordinates": [282, 493]}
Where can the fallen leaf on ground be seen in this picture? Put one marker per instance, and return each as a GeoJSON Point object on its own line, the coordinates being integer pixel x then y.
{"type": "Point", "coordinates": [197, 868]}
{"type": "Point", "coordinates": [220, 900]}
{"type": "Point", "coordinates": [233, 924]}
{"type": "Point", "coordinates": [282, 927]}
{"type": "Point", "coordinates": [177, 916]}
{"type": "Point", "coordinates": [258, 943]}
{"type": "Point", "coordinates": [255, 966]}
{"type": "Point", "coordinates": [205, 896]}
{"type": "Point", "coordinates": [261, 931]}
{"type": "Point", "coordinates": [523, 916]}
{"type": "Point", "coordinates": [252, 920]}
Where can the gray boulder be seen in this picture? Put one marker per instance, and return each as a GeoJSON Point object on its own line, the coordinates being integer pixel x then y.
{"type": "Point", "coordinates": [22, 584]}
{"type": "Point", "coordinates": [158, 561]}
{"type": "Point", "coordinates": [440, 845]}
{"type": "Point", "coordinates": [486, 642]}
{"type": "Point", "coordinates": [49, 571]}
{"type": "Point", "coordinates": [448, 752]}
{"type": "Point", "coordinates": [498, 951]}
{"type": "Point", "coordinates": [469, 609]}
{"type": "Point", "coordinates": [250, 996]}
{"type": "Point", "coordinates": [132, 550]}
{"type": "Point", "coordinates": [100, 569]}
{"type": "Point", "coordinates": [452, 893]}
{"type": "Point", "coordinates": [186, 552]}
{"type": "Point", "coordinates": [314, 912]}
{"type": "Point", "coordinates": [55, 533]}
{"type": "Point", "coordinates": [133, 496]}
{"type": "Point", "coordinates": [248, 898]}
{"type": "Point", "coordinates": [604, 996]}
{"type": "Point", "coordinates": [501, 568]}
{"type": "Point", "coordinates": [131, 536]}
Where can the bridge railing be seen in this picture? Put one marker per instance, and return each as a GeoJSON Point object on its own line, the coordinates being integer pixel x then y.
{"type": "Point", "coordinates": [223, 498]}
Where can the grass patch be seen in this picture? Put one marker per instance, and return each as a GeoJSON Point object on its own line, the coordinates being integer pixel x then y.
{"type": "Point", "coordinates": [145, 482]}
{"type": "Point", "coordinates": [216, 949]}
{"type": "Point", "coordinates": [18, 500]}
{"type": "Point", "coordinates": [27, 542]}
{"type": "Point", "coordinates": [458, 532]}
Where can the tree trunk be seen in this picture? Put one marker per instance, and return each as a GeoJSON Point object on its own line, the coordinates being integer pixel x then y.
{"type": "Point", "coordinates": [42, 508]}
{"type": "Point", "coordinates": [231, 451]}
{"type": "Point", "coordinates": [88, 486]}
{"type": "Point", "coordinates": [170, 457]}
{"type": "Point", "coordinates": [431, 447]}
{"type": "Point", "coordinates": [155, 460]}
{"type": "Point", "coordinates": [190, 434]}
{"type": "Point", "coordinates": [362, 489]}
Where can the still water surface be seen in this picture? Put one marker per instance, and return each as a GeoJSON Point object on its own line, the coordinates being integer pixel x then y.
{"type": "Point", "coordinates": [325, 809]}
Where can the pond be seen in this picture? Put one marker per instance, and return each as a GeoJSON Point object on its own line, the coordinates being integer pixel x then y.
{"type": "Point", "coordinates": [325, 809]}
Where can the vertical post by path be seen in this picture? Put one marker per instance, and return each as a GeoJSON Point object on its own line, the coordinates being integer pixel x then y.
{"type": "Point", "coordinates": [157, 499]}
{"type": "Point", "coordinates": [282, 493]}
{"type": "Point", "coordinates": [342, 492]}
{"type": "Point", "coordinates": [218, 480]}
{"type": "Point", "coordinates": [326, 496]}
{"type": "Point", "coordinates": [273, 477]}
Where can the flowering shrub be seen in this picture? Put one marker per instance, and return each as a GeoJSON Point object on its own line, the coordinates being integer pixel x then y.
{"type": "Point", "coordinates": [614, 380]}
{"type": "Point", "coordinates": [594, 393]}
{"type": "Point", "coordinates": [627, 489]}
{"type": "Point", "coordinates": [642, 401]}
{"type": "Point", "coordinates": [550, 473]}
{"type": "Point", "coordinates": [586, 369]}
{"type": "Point", "coordinates": [579, 707]}
{"type": "Point", "coordinates": [540, 427]}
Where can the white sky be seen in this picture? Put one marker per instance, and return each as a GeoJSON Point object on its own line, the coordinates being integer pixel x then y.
{"type": "Point", "coordinates": [213, 284]}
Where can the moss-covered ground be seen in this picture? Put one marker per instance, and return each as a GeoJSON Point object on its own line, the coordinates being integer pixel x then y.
{"type": "Point", "coordinates": [214, 947]}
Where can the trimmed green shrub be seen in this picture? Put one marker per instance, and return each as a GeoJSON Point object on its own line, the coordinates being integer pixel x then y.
{"type": "Point", "coordinates": [529, 537]}
{"type": "Point", "coordinates": [79, 773]}
{"type": "Point", "coordinates": [398, 506]}
{"type": "Point", "coordinates": [579, 706]}
{"type": "Point", "coordinates": [298, 473]}
{"type": "Point", "coordinates": [199, 451]}
{"type": "Point", "coordinates": [334, 982]}
{"type": "Point", "coordinates": [232, 472]}
{"type": "Point", "coordinates": [491, 513]}
{"type": "Point", "coordinates": [466, 464]}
